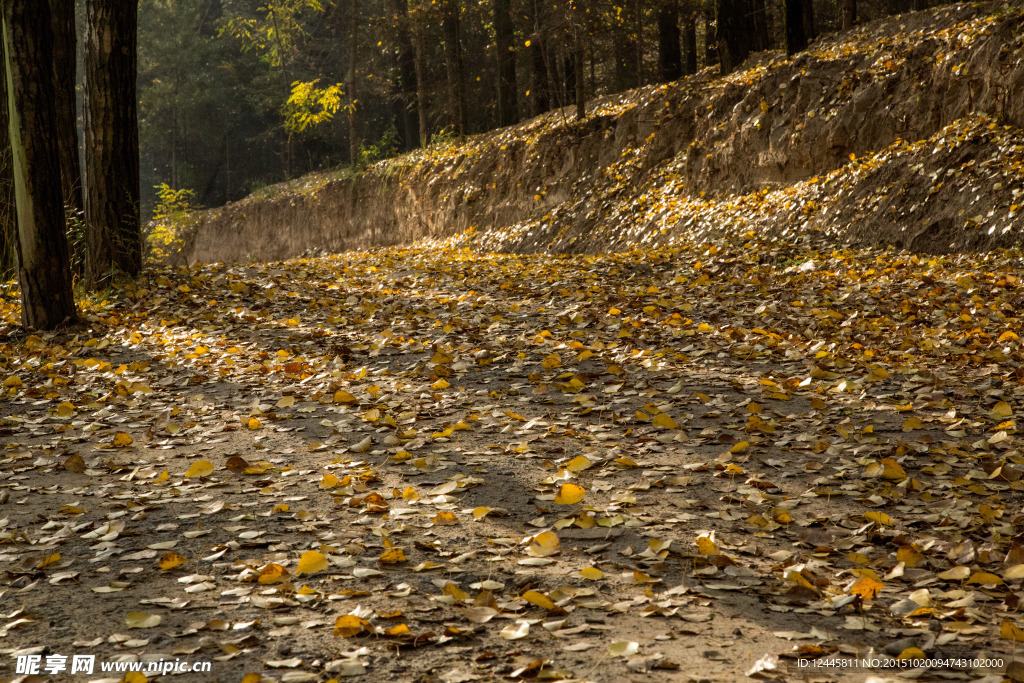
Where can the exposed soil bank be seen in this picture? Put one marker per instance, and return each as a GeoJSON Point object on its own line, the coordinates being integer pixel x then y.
{"type": "Point", "coordinates": [905, 131]}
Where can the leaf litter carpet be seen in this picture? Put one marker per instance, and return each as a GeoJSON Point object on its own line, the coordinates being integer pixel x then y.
{"type": "Point", "coordinates": [704, 462]}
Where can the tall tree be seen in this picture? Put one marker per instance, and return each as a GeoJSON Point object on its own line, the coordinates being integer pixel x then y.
{"type": "Point", "coordinates": [504, 36]}
{"type": "Point", "coordinates": [409, 116]}
{"type": "Point", "coordinates": [62, 15]}
{"type": "Point", "coordinates": [420, 39]}
{"type": "Point", "coordinates": [689, 42]}
{"type": "Point", "coordinates": [113, 228]}
{"type": "Point", "coordinates": [670, 54]}
{"type": "Point", "coordinates": [43, 265]}
{"type": "Point", "coordinates": [539, 89]}
{"type": "Point", "coordinates": [451, 26]}
{"type": "Point", "coordinates": [796, 37]}
{"type": "Point", "coordinates": [742, 29]}
{"type": "Point", "coordinates": [353, 60]}
{"type": "Point", "coordinates": [849, 11]}
{"type": "Point", "coordinates": [8, 222]}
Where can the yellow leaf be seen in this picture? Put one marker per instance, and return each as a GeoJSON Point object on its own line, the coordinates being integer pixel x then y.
{"type": "Point", "coordinates": [739, 448]}
{"type": "Point", "coordinates": [912, 653]}
{"type": "Point", "coordinates": [311, 562]}
{"type": "Point", "coordinates": [1010, 631]}
{"type": "Point", "coordinates": [981, 578]}
{"type": "Point", "coordinates": [480, 512]}
{"type": "Point", "coordinates": [706, 545]}
{"type": "Point", "coordinates": [866, 587]}
{"type": "Point", "coordinates": [592, 574]}
{"type": "Point", "coordinates": [569, 494]}
{"type": "Point", "coordinates": [273, 573]}
{"type": "Point", "coordinates": [344, 397]}
{"type": "Point", "coordinates": [754, 408]}
{"type": "Point", "coordinates": [958, 573]}
{"type": "Point", "coordinates": [552, 361]}
{"type": "Point", "coordinates": [13, 382]}
{"type": "Point", "coordinates": [909, 556]}
{"type": "Point", "coordinates": [350, 625]}
{"type": "Point", "coordinates": [399, 630]}
{"type": "Point", "coordinates": [329, 481]}
{"type": "Point", "coordinates": [122, 440]}
{"type": "Point", "coordinates": [392, 556]}
{"type": "Point", "coordinates": [200, 468]}
{"type": "Point", "coordinates": [65, 409]}
{"type": "Point", "coordinates": [578, 464]}
{"type": "Point", "coordinates": [912, 423]}
{"type": "Point", "coordinates": [164, 476]}
{"type": "Point", "coordinates": [142, 620]}
{"type": "Point", "coordinates": [543, 545]}
{"type": "Point", "coordinates": [664, 421]}
{"type": "Point", "coordinates": [892, 470]}
{"type": "Point", "coordinates": [450, 589]}
{"type": "Point", "coordinates": [252, 678]}
{"type": "Point", "coordinates": [171, 560]}
{"type": "Point", "coordinates": [281, 507]}
{"type": "Point", "coordinates": [253, 423]}
{"type": "Point", "coordinates": [134, 677]}
{"type": "Point", "coordinates": [538, 599]}
{"type": "Point", "coordinates": [1001, 410]}
{"type": "Point", "coordinates": [878, 518]}
{"type": "Point", "coordinates": [440, 384]}
{"type": "Point", "coordinates": [48, 560]}
{"type": "Point", "coordinates": [445, 518]}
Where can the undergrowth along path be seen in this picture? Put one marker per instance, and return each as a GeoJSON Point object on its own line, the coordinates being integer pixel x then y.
{"type": "Point", "coordinates": [432, 463]}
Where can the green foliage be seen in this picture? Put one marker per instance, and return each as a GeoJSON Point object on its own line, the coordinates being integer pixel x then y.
{"type": "Point", "coordinates": [386, 146]}
{"type": "Point", "coordinates": [311, 106]}
{"type": "Point", "coordinates": [275, 34]}
{"type": "Point", "coordinates": [169, 217]}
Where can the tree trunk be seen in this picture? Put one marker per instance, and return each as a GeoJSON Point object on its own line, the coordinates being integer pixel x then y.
{"type": "Point", "coordinates": [849, 14]}
{"type": "Point", "coordinates": [504, 37]}
{"type": "Point", "coordinates": [62, 13]}
{"type": "Point", "coordinates": [796, 39]}
{"type": "Point", "coordinates": [809, 30]}
{"type": "Point", "coordinates": [353, 56]}
{"type": "Point", "coordinates": [8, 224]}
{"type": "Point", "coordinates": [670, 54]}
{"type": "Point", "coordinates": [407, 73]}
{"type": "Point", "coordinates": [742, 29]}
{"type": "Point", "coordinates": [43, 267]}
{"type": "Point", "coordinates": [539, 101]}
{"type": "Point", "coordinates": [421, 79]}
{"type": "Point", "coordinates": [451, 26]}
{"type": "Point", "coordinates": [710, 35]}
{"type": "Point", "coordinates": [581, 92]}
{"type": "Point", "coordinates": [690, 44]}
{"type": "Point", "coordinates": [113, 229]}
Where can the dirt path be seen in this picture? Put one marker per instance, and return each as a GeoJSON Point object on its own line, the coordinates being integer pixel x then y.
{"type": "Point", "coordinates": [372, 465]}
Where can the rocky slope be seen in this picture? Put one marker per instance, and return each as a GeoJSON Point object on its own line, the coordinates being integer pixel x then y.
{"type": "Point", "coordinates": [906, 131]}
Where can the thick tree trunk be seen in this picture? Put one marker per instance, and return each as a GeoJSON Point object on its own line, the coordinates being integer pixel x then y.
{"type": "Point", "coordinates": [8, 224]}
{"type": "Point", "coordinates": [539, 100]}
{"type": "Point", "coordinates": [690, 44]}
{"type": "Point", "coordinates": [113, 232]}
{"type": "Point", "coordinates": [62, 13]}
{"type": "Point", "coordinates": [353, 60]}
{"type": "Point", "coordinates": [43, 267]}
{"type": "Point", "coordinates": [849, 14]}
{"type": "Point", "coordinates": [742, 29]}
{"type": "Point", "coordinates": [710, 35]}
{"type": "Point", "coordinates": [409, 118]}
{"type": "Point", "coordinates": [421, 80]}
{"type": "Point", "coordinates": [796, 39]}
{"type": "Point", "coordinates": [451, 26]}
{"type": "Point", "coordinates": [504, 37]}
{"type": "Point", "coordinates": [810, 32]}
{"type": "Point", "coordinates": [670, 54]}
